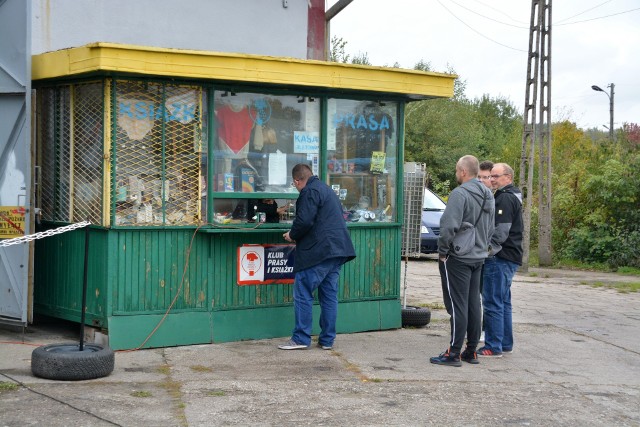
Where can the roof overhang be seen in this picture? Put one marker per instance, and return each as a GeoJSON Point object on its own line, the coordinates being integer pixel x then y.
{"type": "Point", "coordinates": [106, 58]}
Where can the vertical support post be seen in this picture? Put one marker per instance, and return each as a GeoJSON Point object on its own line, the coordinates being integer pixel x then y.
{"type": "Point", "coordinates": [83, 308]}
{"type": "Point", "coordinates": [544, 173]}
{"type": "Point", "coordinates": [529, 131]}
{"type": "Point", "coordinates": [612, 135]}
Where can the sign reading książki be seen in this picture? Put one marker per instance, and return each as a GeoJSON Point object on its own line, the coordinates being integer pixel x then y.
{"type": "Point", "coordinates": [265, 264]}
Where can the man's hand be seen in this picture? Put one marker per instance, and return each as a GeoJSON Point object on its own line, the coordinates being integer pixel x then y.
{"type": "Point", "coordinates": [442, 258]}
{"type": "Point", "coordinates": [287, 237]}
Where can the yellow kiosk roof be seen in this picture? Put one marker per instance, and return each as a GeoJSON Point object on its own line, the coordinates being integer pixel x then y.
{"type": "Point", "coordinates": [101, 58]}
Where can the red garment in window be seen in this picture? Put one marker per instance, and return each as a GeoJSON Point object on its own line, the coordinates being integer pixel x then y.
{"type": "Point", "coordinates": [234, 128]}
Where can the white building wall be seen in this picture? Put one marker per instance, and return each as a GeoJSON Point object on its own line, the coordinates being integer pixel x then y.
{"type": "Point", "coordinates": [263, 27]}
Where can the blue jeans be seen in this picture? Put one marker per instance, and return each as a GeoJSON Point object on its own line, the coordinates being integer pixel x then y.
{"type": "Point", "coordinates": [323, 277]}
{"type": "Point", "coordinates": [496, 301]}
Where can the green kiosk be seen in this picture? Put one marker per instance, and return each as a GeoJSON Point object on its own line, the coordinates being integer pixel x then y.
{"type": "Point", "coordinates": [181, 161]}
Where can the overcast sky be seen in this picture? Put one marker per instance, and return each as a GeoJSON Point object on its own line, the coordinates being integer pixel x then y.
{"type": "Point", "coordinates": [594, 42]}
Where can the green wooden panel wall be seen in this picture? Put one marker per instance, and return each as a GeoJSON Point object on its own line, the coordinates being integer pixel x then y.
{"type": "Point", "coordinates": [58, 276]}
{"type": "Point", "coordinates": [226, 293]}
{"type": "Point", "coordinates": [141, 271]}
{"type": "Point", "coordinates": [151, 274]}
{"type": "Point", "coordinates": [375, 273]}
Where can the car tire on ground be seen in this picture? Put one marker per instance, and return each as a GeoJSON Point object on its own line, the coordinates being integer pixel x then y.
{"type": "Point", "coordinates": [415, 316]}
{"type": "Point", "coordinates": [66, 362]}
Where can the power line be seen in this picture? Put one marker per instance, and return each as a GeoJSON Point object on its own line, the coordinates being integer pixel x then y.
{"type": "Point", "coordinates": [600, 17]}
{"type": "Point", "coordinates": [584, 11]}
{"type": "Point", "coordinates": [489, 18]}
{"type": "Point", "coordinates": [503, 13]}
{"type": "Point", "coordinates": [478, 32]}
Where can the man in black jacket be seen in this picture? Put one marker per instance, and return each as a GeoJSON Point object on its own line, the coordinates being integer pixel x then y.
{"type": "Point", "coordinates": [322, 246]}
{"type": "Point", "coordinates": [505, 256]}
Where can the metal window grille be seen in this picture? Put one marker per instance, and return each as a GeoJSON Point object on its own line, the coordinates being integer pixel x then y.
{"type": "Point", "coordinates": [46, 136]}
{"type": "Point", "coordinates": [62, 155]}
{"type": "Point", "coordinates": [158, 150]}
{"type": "Point", "coordinates": [70, 152]}
{"type": "Point", "coordinates": [87, 152]}
{"type": "Point", "coordinates": [414, 179]}
{"type": "Point", "coordinates": [55, 133]}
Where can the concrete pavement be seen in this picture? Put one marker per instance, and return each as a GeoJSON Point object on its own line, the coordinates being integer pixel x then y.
{"type": "Point", "coordinates": [575, 362]}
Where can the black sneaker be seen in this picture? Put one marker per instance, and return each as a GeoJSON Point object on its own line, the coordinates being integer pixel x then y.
{"type": "Point", "coordinates": [469, 356]}
{"type": "Point", "coordinates": [447, 358]}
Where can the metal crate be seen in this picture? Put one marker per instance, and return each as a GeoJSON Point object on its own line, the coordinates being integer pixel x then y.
{"type": "Point", "coordinates": [414, 180]}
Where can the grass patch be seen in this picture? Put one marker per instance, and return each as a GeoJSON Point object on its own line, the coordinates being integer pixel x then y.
{"type": "Point", "coordinates": [141, 394]}
{"type": "Point", "coordinates": [579, 265]}
{"type": "Point", "coordinates": [164, 369]}
{"type": "Point", "coordinates": [7, 386]}
{"type": "Point", "coordinates": [631, 271]}
{"type": "Point", "coordinates": [216, 393]}
{"type": "Point", "coordinates": [624, 288]}
{"type": "Point", "coordinates": [200, 368]}
{"type": "Point", "coordinates": [573, 264]}
{"type": "Point", "coordinates": [430, 305]}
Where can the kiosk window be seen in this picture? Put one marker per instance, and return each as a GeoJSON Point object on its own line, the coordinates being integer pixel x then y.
{"type": "Point", "coordinates": [259, 138]}
{"type": "Point", "coordinates": [362, 157]}
{"type": "Point", "coordinates": [159, 154]}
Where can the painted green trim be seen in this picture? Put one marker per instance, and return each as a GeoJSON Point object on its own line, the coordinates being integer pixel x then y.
{"type": "Point", "coordinates": [112, 272]}
{"type": "Point", "coordinates": [211, 173]}
{"type": "Point", "coordinates": [114, 147]}
{"type": "Point", "coordinates": [400, 174]}
{"type": "Point", "coordinates": [163, 153]}
{"type": "Point", "coordinates": [131, 331]}
{"type": "Point", "coordinates": [322, 156]}
{"type": "Point", "coordinates": [262, 195]}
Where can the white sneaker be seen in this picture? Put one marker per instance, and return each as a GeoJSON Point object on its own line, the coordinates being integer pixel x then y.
{"type": "Point", "coordinates": [292, 345]}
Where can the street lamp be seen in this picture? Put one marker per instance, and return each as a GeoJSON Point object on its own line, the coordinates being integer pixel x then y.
{"type": "Point", "coordinates": [610, 95]}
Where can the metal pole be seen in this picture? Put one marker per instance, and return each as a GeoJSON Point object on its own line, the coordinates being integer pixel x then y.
{"type": "Point", "coordinates": [84, 286]}
{"type": "Point", "coordinates": [611, 133]}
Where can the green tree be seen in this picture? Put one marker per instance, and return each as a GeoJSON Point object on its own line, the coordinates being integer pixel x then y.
{"type": "Point", "coordinates": [595, 184]}
{"type": "Point", "coordinates": [338, 53]}
{"type": "Point", "coordinates": [438, 132]}
{"type": "Point", "coordinates": [338, 50]}
{"type": "Point", "coordinates": [596, 197]}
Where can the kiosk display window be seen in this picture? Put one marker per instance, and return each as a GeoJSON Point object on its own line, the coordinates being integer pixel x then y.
{"type": "Point", "coordinates": [169, 147]}
{"type": "Point", "coordinates": [362, 149]}
{"type": "Point", "coordinates": [259, 138]}
{"type": "Point", "coordinates": [160, 154]}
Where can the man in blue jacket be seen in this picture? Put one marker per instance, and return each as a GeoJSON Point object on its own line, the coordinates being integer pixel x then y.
{"type": "Point", "coordinates": [460, 271]}
{"type": "Point", "coordinates": [322, 246]}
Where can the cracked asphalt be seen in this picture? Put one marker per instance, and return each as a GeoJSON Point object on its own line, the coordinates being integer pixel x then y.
{"type": "Point", "coordinates": [575, 362]}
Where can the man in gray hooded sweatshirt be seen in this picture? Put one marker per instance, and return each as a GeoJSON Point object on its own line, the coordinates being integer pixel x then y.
{"type": "Point", "coordinates": [473, 203]}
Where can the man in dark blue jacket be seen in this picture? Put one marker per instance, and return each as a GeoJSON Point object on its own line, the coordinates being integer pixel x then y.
{"type": "Point", "coordinates": [322, 246]}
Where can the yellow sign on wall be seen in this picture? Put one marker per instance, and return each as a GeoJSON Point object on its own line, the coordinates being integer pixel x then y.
{"type": "Point", "coordinates": [12, 219]}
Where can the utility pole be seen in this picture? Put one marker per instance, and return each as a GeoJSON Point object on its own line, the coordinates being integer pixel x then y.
{"type": "Point", "coordinates": [610, 96]}
{"type": "Point", "coordinates": [537, 132]}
